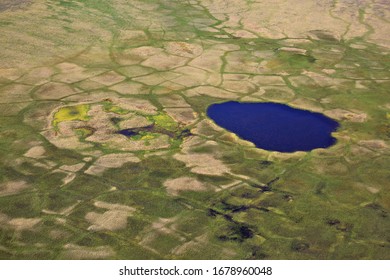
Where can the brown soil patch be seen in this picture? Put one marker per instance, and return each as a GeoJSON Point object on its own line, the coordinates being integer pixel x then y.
{"type": "Point", "coordinates": [87, 253]}
{"type": "Point", "coordinates": [135, 121]}
{"type": "Point", "coordinates": [211, 91]}
{"type": "Point", "coordinates": [209, 60]}
{"type": "Point", "coordinates": [183, 49]}
{"type": "Point", "coordinates": [20, 224]}
{"type": "Point", "coordinates": [113, 219]}
{"type": "Point", "coordinates": [12, 187]}
{"type": "Point", "coordinates": [203, 164]}
{"type": "Point", "coordinates": [37, 76]}
{"type": "Point", "coordinates": [111, 161]}
{"type": "Point", "coordinates": [173, 100]}
{"type": "Point", "coordinates": [15, 93]}
{"type": "Point", "coordinates": [164, 62]}
{"type": "Point", "coordinates": [185, 116]}
{"type": "Point", "coordinates": [8, 111]}
{"type": "Point", "coordinates": [12, 4]}
{"type": "Point", "coordinates": [374, 144]}
{"type": "Point", "coordinates": [108, 78]}
{"type": "Point", "coordinates": [174, 186]}
{"type": "Point", "coordinates": [36, 152]}
{"type": "Point", "coordinates": [73, 168]}
{"type": "Point", "coordinates": [128, 88]}
{"type": "Point", "coordinates": [278, 93]}
{"type": "Point", "coordinates": [54, 91]}
{"type": "Point", "coordinates": [341, 114]}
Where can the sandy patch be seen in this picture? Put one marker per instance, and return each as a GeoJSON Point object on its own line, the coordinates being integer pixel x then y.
{"type": "Point", "coordinates": [211, 91]}
{"type": "Point", "coordinates": [209, 60]}
{"type": "Point", "coordinates": [12, 187]}
{"type": "Point", "coordinates": [20, 224]}
{"type": "Point", "coordinates": [374, 144]}
{"type": "Point", "coordinates": [344, 115]}
{"type": "Point", "coordinates": [113, 219]}
{"type": "Point", "coordinates": [183, 49]}
{"type": "Point", "coordinates": [173, 100]}
{"type": "Point", "coordinates": [73, 168]}
{"type": "Point", "coordinates": [8, 111]}
{"type": "Point", "coordinates": [205, 164]}
{"type": "Point", "coordinates": [108, 78]}
{"type": "Point", "coordinates": [185, 116]}
{"type": "Point", "coordinates": [174, 186]}
{"type": "Point", "coordinates": [87, 253]}
{"type": "Point", "coordinates": [53, 90]}
{"type": "Point", "coordinates": [38, 76]}
{"type": "Point", "coordinates": [15, 93]}
{"type": "Point", "coordinates": [293, 50]}
{"type": "Point", "coordinates": [128, 88]}
{"type": "Point", "coordinates": [111, 161]}
{"type": "Point", "coordinates": [164, 62]}
{"type": "Point", "coordinates": [135, 121]}
{"type": "Point", "coordinates": [36, 152]}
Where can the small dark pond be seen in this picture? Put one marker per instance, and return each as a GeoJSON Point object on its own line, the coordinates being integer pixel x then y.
{"type": "Point", "coordinates": [274, 126]}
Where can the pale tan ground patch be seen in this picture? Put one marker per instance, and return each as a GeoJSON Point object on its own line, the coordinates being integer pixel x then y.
{"type": "Point", "coordinates": [209, 60]}
{"type": "Point", "coordinates": [164, 62]}
{"type": "Point", "coordinates": [138, 35]}
{"type": "Point", "coordinates": [374, 144]}
{"type": "Point", "coordinates": [341, 114]}
{"type": "Point", "coordinates": [12, 187]}
{"type": "Point", "coordinates": [268, 80]}
{"type": "Point", "coordinates": [278, 93]}
{"type": "Point", "coordinates": [297, 81]}
{"type": "Point", "coordinates": [183, 49]}
{"type": "Point", "coordinates": [307, 104]}
{"type": "Point", "coordinates": [157, 78]}
{"type": "Point", "coordinates": [8, 111]}
{"type": "Point", "coordinates": [10, 73]}
{"type": "Point", "coordinates": [73, 168]}
{"type": "Point", "coordinates": [185, 116]}
{"type": "Point", "coordinates": [111, 161]}
{"type": "Point", "coordinates": [20, 224]}
{"type": "Point", "coordinates": [36, 152]}
{"type": "Point", "coordinates": [113, 219]}
{"type": "Point", "coordinates": [15, 93]}
{"type": "Point", "coordinates": [134, 71]}
{"type": "Point", "coordinates": [87, 253]}
{"type": "Point", "coordinates": [323, 80]}
{"type": "Point", "coordinates": [244, 87]}
{"type": "Point", "coordinates": [211, 91]}
{"type": "Point", "coordinates": [206, 128]}
{"type": "Point", "coordinates": [242, 62]}
{"type": "Point", "coordinates": [293, 50]}
{"type": "Point", "coordinates": [54, 90]}
{"type": "Point", "coordinates": [108, 78]}
{"type": "Point", "coordinates": [233, 138]}
{"type": "Point", "coordinates": [135, 121]}
{"type": "Point", "coordinates": [71, 142]}
{"type": "Point", "coordinates": [89, 85]}
{"type": "Point", "coordinates": [173, 100]}
{"type": "Point", "coordinates": [175, 186]}
{"type": "Point", "coordinates": [129, 88]}
{"type": "Point", "coordinates": [37, 76]}
{"type": "Point", "coordinates": [203, 164]}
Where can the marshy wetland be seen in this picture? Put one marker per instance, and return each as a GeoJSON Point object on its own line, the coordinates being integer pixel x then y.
{"type": "Point", "coordinates": [107, 150]}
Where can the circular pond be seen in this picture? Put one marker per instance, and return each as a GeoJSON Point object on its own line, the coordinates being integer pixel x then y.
{"type": "Point", "coordinates": [274, 126]}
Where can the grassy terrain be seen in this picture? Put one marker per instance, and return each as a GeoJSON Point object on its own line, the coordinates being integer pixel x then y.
{"type": "Point", "coordinates": [75, 73]}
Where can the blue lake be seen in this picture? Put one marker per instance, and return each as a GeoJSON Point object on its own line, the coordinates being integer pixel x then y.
{"type": "Point", "coordinates": [274, 126]}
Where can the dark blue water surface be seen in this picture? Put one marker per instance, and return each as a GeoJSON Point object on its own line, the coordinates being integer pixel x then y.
{"type": "Point", "coordinates": [274, 126]}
